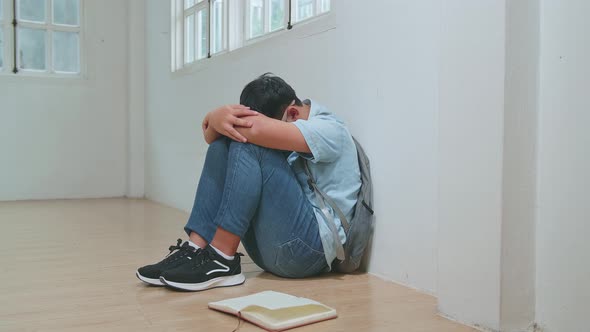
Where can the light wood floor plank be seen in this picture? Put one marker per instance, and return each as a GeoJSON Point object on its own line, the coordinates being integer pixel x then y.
{"type": "Point", "coordinates": [69, 266]}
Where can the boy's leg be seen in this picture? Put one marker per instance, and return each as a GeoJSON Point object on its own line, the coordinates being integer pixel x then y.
{"type": "Point", "coordinates": [264, 205]}
{"type": "Point", "coordinates": [231, 188]}
{"type": "Point", "coordinates": [260, 192]}
{"type": "Point", "coordinates": [284, 236]}
{"type": "Point", "coordinates": [200, 227]}
{"type": "Point", "coordinates": [207, 202]}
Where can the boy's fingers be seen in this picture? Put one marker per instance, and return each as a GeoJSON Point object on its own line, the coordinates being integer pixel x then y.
{"type": "Point", "coordinates": [228, 134]}
{"type": "Point", "coordinates": [232, 133]}
{"type": "Point", "coordinates": [244, 112]}
{"type": "Point", "coordinates": [243, 123]}
{"type": "Point", "coordinates": [237, 136]}
{"type": "Point", "coordinates": [238, 107]}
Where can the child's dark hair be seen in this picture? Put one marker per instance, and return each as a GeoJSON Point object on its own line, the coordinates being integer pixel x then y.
{"type": "Point", "coordinates": [269, 95]}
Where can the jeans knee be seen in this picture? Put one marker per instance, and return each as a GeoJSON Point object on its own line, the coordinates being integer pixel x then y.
{"type": "Point", "coordinates": [243, 145]}
{"type": "Point", "coordinates": [220, 143]}
{"type": "Point", "coordinates": [235, 146]}
{"type": "Point", "coordinates": [260, 152]}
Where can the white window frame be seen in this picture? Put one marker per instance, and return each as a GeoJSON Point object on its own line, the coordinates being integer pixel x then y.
{"type": "Point", "coordinates": [224, 28]}
{"type": "Point", "coordinates": [179, 15]}
{"type": "Point", "coordinates": [266, 30]}
{"type": "Point", "coordinates": [49, 28]}
{"type": "Point", "coordinates": [315, 4]}
{"type": "Point", "coordinates": [6, 25]}
{"type": "Point", "coordinates": [196, 8]}
{"type": "Point", "coordinates": [236, 29]}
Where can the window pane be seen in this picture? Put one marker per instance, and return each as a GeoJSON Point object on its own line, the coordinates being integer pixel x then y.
{"type": "Point", "coordinates": [324, 6]}
{"type": "Point", "coordinates": [31, 49]}
{"type": "Point", "coordinates": [1, 46]}
{"type": "Point", "coordinates": [304, 9]}
{"type": "Point", "coordinates": [1, 11]}
{"type": "Point", "coordinates": [66, 12]}
{"type": "Point", "coordinates": [189, 39]}
{"type": "Point", "coordinates": [202, 34]}
{"type": "Point", "coordinates": [217, 26]}
{"type": "Point", "coordinates": [66, 52]}
{"type": "Point", "coordinates": [277, 14]}
{"type": "Point", "coordinates": [188, 3]}
{"type": "Point", "coordinates": [31, 10]}
{"type": "Point", "coordinates": [256, 18]}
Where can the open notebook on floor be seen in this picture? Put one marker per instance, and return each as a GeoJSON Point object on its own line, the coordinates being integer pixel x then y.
{"type": "Point", "coordinates": [275, 311]}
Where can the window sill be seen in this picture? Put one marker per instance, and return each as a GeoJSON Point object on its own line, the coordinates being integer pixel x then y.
{"type": "Point", "coordinates": [32, 77]}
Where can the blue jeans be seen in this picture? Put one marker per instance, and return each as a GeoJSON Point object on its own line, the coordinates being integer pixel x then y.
{"type": "Point", "coordinates": [252, 192]}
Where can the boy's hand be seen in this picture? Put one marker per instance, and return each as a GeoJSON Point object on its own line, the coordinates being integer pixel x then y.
{"type": "Point", "coordinates": [225, 118]}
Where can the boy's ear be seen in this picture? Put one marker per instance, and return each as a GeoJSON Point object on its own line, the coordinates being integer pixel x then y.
{"type": "Point", "coordinates": [292, 113]}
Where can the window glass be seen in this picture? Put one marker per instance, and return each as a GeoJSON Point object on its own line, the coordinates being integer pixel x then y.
{"type": "Point", "coordinates": [217, 27]}
{"type": "Point", "coordinates": [277, 14]}
{"type": "Point", "coordinates": [202, 34]}
{"type": "Point", "coordinates": [256, 18]}
{"type": "Point", "coordinates": [66, 12]}
{"type": "Point", "coordinates": [31, 10]}
{"type": "Point", "coordinates": [31, 49]}
{"type": "Point", "coordinates": [189, 39]}
{"type": "Point", "coordinates": [66, 54]}
{"type": "Point", "coordinates": [304, 9]}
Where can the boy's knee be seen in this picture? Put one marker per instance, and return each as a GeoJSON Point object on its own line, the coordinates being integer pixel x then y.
{"type": "Point", "coordinates": [246, 146]}
{"type": "Point", "coordinates": [221, 142]}
{"type": "Point", "coordinates": [253, 149]}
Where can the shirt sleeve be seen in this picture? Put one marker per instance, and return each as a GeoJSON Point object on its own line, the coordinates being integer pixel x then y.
{"type": "Point", "coordinates": [324, 136]}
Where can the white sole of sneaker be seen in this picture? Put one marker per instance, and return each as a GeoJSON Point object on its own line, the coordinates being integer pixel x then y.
{"type": "Point", "coordinates": [235, 280]}
{"type": "Point", "coordinates": [155, 282]}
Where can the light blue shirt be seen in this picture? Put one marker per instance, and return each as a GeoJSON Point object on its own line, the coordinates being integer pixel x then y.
{"type": "Point", "coordinates": [333, 163]}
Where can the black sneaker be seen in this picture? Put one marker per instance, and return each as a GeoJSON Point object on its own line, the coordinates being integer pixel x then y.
{"type": "Point", "coordinates": [208, 270]}
{"type": "Point", "coordinates": [151, 273]}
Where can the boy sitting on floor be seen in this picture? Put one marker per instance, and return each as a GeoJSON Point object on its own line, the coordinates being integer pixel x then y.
{"type": "Point", "coordinates": [254, 189]}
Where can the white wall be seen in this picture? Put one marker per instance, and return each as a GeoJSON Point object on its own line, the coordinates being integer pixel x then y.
{"type": "Point", "coordinates": [563, 224]}
{"type": "Point", "coordinates": [136, 74]}
{"type": "Point", "coordinates": [376, 69]}
{"type": "Point", "coordinates": [62, 138]}
{"type": "Point", "coordinates": [79, 138]}
{"type": "Point", "coordinates": [489, 91]}
{"type": "Point", "coordinates": [471, 109]}
{"type": "Point", "coordinates": [517, 293]}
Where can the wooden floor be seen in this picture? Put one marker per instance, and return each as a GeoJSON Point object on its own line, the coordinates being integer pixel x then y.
{"type": "Point", "coordinates": [70, 266]}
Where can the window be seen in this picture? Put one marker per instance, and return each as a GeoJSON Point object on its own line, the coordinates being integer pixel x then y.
{"type": "Point", "coordinates": [305, 9]}
{"type": "Point", "coordinates": [204, 28]}
{"type": "Point", "coordinates": [264, 16]}
{"type": "Point", "coordinates": [46, 38]}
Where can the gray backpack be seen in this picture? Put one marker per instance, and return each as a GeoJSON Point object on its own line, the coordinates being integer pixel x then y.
{"type": "Point", "coordinates": [359, 229]}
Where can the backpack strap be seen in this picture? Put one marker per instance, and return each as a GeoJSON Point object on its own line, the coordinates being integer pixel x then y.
{"type": "Point", "coordinates": [331, 224]}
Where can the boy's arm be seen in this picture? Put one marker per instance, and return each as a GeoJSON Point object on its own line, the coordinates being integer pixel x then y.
{"type": "Point", "coordinates": [210, 134]}
{"type": "Point", "coordinates": [274, 134]}
{"type": "Point", "coordinates": [224, 121]}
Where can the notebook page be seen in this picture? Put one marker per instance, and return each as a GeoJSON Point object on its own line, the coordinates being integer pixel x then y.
{"type": "Point", "coordinates": [268, 299]}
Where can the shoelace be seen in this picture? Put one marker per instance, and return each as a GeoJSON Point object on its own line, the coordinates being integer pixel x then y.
{"type": "Point", "coordinates": [203, 256]}
{"type": "Point", "coordinates": [181, 250]}
{"type": "Point", "coordinates": [176, 247]}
